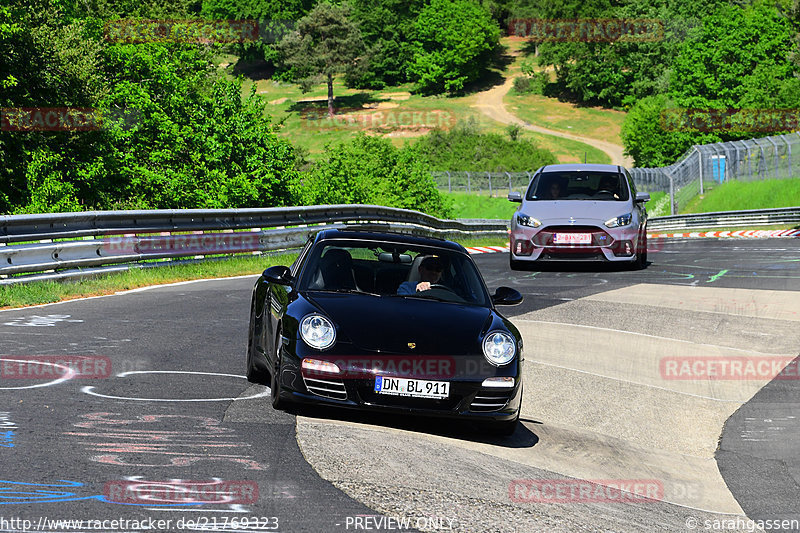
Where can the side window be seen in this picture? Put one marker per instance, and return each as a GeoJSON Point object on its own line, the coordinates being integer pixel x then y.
{"type": "Point", "coordinates": [303, 253]}
{"type": "Point", "coordinates": [631, 183]}
{"type": "Point", "coordinates": [532, 187]}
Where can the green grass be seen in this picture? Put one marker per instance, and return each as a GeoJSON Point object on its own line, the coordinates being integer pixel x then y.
{"type": "Point", "coordinates": [41, 292]}
{"type": "Point", "coordinates": [472, 205]}
{"type": "Point", "coordinates": [593, 122]}
{"type": "Point", "coordinates": [738, 195]}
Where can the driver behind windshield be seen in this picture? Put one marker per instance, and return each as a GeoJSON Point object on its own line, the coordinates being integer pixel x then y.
{"type": "Point", "coordinates": [430, 272]}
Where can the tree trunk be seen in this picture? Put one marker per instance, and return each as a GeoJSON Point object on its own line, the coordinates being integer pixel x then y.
{"type": "Point", "coordinates": [330, 95]}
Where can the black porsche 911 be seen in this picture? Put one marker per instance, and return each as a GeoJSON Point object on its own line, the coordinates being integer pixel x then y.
{"type": "Point", "coordinates": [386, 321]}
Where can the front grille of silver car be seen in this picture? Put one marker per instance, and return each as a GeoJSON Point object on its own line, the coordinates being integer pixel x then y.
{"type": "Point", "coordinates": [490, 400]}
{"type": "Point", "coordinates": [329, 388]}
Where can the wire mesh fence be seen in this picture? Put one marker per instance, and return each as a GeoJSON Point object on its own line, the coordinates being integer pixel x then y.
{"type": "Point", "coordinates": [702, 168]}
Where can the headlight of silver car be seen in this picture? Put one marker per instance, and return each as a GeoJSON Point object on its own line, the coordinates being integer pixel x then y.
{"type": "Point", "coordinates": [317, 331]}
{"type": "Point", "coordinates": [525, 220]}
{"type": "Point", "coordinates": [499, 347]}
{"type": "Point", "coordinates": [622, 220]}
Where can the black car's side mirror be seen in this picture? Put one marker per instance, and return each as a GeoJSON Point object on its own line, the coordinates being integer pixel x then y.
{"type": "Point", "coordinates": [514, 197]}
{"type": "Point", "coordinates": [278, 274]}
{"type": "Point", "coordinates": [506, 296]}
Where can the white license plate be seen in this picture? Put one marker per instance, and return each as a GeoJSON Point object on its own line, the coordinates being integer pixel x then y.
{"type": "Point", "coordinates": [417, 388]}
{"type": "Point", "coordinates": [572, 238]}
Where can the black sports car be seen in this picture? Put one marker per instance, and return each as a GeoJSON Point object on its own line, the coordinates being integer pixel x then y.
{"type": "Point", "coordinates": [387, 321]}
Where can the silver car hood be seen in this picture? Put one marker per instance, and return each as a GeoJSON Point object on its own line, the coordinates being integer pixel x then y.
{"type": "Point", "coordinates": [583, 211]}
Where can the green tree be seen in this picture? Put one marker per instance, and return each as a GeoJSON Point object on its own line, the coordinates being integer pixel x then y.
{"type": "Point", "coordinates": [325, 43]}
{"type": "Point", "coordinates": [386, 26]}
{"type": "Point", "coordinates": [369, 170]}
{"type": "Point", "coordinates": [452, 43]}
{"type": "Point", "coordinates": [739, 57]}
{"type": "Point", "coordinates": [194, 141]}
{"type": "Point", "coordinates": [649, 136]}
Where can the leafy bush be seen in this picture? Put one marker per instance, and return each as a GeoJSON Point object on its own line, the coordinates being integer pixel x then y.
{"type": "Point", "coordinates": [533, 84]}
{"type": "Point", "coordinates": [369, 170]}
{"type": "Point", "coordinates": [465, 148]}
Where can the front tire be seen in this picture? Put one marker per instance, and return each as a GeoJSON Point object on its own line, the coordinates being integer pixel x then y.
{"type": "Point", "coordinates": [515, 264]}
{"type": "Point", "coordinates": [641, 254]}
{"type": "Point", "coordinates": [254, 374]}
{"type": "Point", "coordinates": [505, 428]}
{"type": "Point", "coordinates": [275, 381]}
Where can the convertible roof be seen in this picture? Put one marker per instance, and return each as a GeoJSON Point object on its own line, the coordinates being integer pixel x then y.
{"type": "Point", "coordinates": [369, 233]}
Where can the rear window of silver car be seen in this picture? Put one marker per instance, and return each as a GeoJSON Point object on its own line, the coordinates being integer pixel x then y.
{"type": "Point", "coordinates": [580, 185]}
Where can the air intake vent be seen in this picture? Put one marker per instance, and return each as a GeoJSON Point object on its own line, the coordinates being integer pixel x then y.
{"type": "Point", "coordinates": [490, 400]}
{"type": "Point", "coordinates": [329, 388]}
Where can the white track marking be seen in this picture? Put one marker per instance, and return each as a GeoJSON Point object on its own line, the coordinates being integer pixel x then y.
{"type": "Point", "coordinates": [69, 374]}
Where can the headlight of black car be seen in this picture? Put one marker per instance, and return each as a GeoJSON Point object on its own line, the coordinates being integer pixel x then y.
{"type": "Point", "coordinates": [499, 347]}
{"type": "Point", "coordinates": [317, 331]}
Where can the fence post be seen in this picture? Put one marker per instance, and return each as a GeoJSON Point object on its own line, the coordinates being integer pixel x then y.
{"type": "Point", "coordinates": [672, 206]}
{"type": "Point", "coordinates": [775, 148]}
{"type": "Point", "coordinates": [469, 185]}
{"type": "Point", "coordinates": [788, 154]}
{"type": "Point", "coordinates": [749, 160]}
{"type": "Point", "coordinates": [509, 181]}
{"type": "Point", "coordinates": [490, 183]}
{"type": "Point", "coordinates": [700, 163]}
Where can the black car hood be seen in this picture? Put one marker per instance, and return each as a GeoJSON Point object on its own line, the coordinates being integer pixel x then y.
{"type": "Point", "coordinates": [387, 324]}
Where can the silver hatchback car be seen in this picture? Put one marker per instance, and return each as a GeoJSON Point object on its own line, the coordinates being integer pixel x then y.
{"type": "Point", "coordinates": [580, 212]}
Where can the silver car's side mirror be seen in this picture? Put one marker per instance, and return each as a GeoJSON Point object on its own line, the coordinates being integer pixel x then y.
{"type": "Point", "coordinates": [515, 197]}
{"type": "Point", "coordinates": [642, 197]}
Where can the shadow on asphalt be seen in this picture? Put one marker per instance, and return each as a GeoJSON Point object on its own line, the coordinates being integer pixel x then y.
{"type": "Point", "coordinates": [575, 266]}
{"type": "Point", "coordinates": [443, 427]}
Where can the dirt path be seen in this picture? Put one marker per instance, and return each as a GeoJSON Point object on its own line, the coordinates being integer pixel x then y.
{"type": "Point", "coordinates": [491, 104]}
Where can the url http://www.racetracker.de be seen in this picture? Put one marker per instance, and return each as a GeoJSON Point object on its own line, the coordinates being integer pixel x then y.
{"type": "Point", "coordinates": [46, 524]}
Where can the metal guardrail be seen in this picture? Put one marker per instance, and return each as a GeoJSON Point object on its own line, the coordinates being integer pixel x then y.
{"type": "Point", "coordinates": [104, 240]}
{"type": "Point", "coordinates": [721, 219]}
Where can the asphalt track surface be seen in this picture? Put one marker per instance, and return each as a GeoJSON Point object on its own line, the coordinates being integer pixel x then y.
{"type": "Point", "coordinates": [164, 406]}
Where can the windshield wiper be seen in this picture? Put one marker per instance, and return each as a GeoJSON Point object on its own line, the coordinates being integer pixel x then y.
{"type": "Point", "coordinates": [347, 291]}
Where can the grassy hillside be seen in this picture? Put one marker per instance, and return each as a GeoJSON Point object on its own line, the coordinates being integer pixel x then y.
{"type": "Point", "coordinates": [736, 195]}
{"type": "Point", "coordinates": [393, 112]}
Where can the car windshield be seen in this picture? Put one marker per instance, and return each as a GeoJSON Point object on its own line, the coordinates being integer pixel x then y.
{"type": "Point", "coordinates": [393, 270]}
{"type": "Point", "coordinates": [581, 185]}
